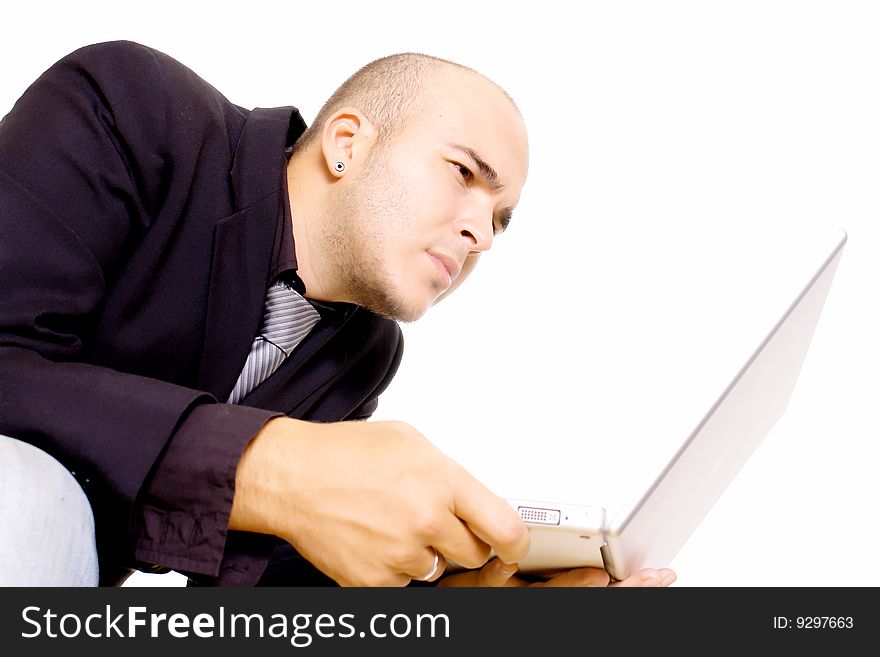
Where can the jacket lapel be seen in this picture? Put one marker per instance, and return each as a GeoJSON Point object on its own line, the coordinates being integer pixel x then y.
{"type": "Point", "coordinates": [242, 247]}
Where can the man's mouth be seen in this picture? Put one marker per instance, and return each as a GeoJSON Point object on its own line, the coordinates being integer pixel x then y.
{"type": "Point", "coordinates": [447, 267]}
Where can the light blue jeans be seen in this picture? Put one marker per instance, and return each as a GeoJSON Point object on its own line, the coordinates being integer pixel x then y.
{"type": "Point", "coordinates": [47, 530]}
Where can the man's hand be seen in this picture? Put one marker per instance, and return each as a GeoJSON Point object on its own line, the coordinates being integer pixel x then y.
{"type": "Point", "coordinates": [499, 573]}
{"type": "Point", "coordinates": [367, 503]}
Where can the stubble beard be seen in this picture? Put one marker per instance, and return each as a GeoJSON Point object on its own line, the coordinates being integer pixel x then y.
{"type": "Point", "coordinates": [354, 233]}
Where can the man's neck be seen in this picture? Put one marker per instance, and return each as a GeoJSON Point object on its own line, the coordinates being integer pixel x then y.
{"type": "Point", "coordinates": [305, 194]}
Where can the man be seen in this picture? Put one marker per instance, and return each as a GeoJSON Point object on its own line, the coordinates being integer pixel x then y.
{"type": "Point", "coordinates": [199, 302]}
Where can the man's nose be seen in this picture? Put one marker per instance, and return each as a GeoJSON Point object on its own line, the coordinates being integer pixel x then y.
{"type": "Point", "coordinates": [477, 228]}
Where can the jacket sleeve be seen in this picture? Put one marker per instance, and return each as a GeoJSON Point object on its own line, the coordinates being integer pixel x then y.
{"type": "Point", "coordinates": [82, 172]}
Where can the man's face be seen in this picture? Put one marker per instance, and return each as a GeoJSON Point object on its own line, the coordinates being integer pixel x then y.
{"type": "Point", "coordinates": [413, 220]}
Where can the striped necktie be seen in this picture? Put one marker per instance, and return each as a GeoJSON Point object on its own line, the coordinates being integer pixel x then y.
{"type": "Point", "coordinates": [287, 319]}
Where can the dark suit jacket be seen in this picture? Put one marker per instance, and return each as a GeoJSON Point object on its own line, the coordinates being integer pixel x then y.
{"type": "Point", "coordinates": [138, 210]}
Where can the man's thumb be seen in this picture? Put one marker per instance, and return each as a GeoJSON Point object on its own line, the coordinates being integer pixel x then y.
{"type": "Point", "coordinates": [497, 572]}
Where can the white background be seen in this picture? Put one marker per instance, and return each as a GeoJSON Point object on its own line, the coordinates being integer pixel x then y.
{"type": "Point", "coordinates": [688, 159]}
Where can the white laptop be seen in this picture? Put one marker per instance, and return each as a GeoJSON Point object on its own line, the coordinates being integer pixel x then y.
{"type": "Point", "coordinates": [650, 529]}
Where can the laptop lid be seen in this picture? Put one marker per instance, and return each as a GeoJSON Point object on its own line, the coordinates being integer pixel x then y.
{"type": "Point", "coordinates": [651, 527]}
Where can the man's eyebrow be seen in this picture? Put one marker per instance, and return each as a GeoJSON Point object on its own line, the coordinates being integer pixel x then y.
{"type": "Point", "coordinates": [486, 170]}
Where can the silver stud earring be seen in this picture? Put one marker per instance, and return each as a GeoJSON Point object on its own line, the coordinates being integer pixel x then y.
{"type": "Point", "coordinates": [339, 166]}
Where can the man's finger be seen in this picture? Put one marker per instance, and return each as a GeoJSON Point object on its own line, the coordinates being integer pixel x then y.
{"type": "Point", "coordinates": [490, 518]}
{"type": "Point", "coordinates": [496, 573]}
{"type": "Point", "coordinates": [579, 577]}
{"type": "Point", "coordinates": [648, 577]}
{"type": "Point", "coordinates": [455, 540]}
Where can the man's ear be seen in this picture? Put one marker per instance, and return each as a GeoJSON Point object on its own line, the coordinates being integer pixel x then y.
{"type": "Point", "coordinates": [347, 138]}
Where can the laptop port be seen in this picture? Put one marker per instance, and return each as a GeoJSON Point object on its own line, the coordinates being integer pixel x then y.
{"type": "Point", "coordinates": [539, 516]}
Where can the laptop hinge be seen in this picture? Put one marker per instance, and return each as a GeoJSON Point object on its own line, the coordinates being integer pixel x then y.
{"type": "Point", "coordinates": [607, 560]}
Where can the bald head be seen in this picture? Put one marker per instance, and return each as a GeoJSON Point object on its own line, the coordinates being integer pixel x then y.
{"type": "Point", "coordinates": [389, 91]}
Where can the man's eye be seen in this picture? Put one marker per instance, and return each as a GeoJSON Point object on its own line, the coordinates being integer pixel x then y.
{"type": "Point", "coordinates": [466, 173]}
